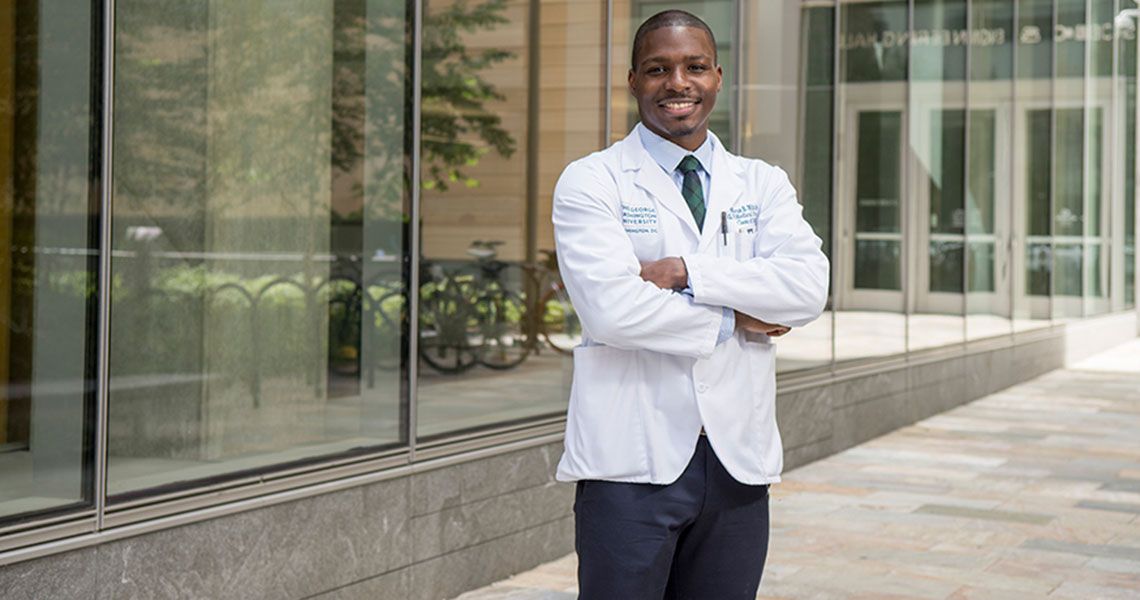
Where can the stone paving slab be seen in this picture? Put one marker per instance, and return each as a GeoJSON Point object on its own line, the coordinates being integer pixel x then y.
{"type": "Point", "coordinates": [1032, 492]}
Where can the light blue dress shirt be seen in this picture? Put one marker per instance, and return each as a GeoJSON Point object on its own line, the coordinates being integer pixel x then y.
{"type": "Point", "coordinates": [668, 155]}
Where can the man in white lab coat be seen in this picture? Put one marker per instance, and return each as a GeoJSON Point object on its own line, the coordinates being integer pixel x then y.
{"type": "Point", "coordinates": [683, 261]}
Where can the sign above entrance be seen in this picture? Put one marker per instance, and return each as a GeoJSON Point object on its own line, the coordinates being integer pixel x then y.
{"type": "Point", "coordinates": [1029, 35]}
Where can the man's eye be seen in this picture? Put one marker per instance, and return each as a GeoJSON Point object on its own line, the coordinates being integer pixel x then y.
{"type": "Point", "coordinates": [697, 67]}
{"type": "Point", "coordinates": [655, 70]}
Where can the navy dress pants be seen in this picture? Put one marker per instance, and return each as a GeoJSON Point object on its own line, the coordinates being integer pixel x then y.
{"type": "Point", "coordinates": [704, 536]}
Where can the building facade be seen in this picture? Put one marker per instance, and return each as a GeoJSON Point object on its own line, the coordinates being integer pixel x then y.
{"type": "Point", "coordinates": [280, 314]}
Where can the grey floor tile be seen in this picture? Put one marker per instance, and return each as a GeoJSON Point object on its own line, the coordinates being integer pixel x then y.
{"type": "Point", "coordinates": [978, 513]}
{"type": "Point", "coordinates": [1097, 550]}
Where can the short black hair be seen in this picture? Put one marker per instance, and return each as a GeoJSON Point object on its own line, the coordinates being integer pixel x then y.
{"type": "Point", "coordinates": [669, 18]}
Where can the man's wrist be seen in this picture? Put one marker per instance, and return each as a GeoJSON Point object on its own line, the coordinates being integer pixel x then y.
{"type": "Point", "coordinates": [683, 277]}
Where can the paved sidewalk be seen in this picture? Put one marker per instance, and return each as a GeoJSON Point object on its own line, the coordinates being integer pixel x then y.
{"type": "Point", "coordinates": [1033, 492]}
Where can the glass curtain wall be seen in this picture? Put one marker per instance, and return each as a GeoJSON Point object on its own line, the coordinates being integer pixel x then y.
{"type": "Point", "coordinates": [1033, 160]}
{"type": "Point", "coordinates": [938, 131]}
{"type": "Point", "coordinates": [513, 90]}
{"type": "Point", "coordinates": [872, 196]}
{"type": "Point", "coordinates": [814, 173]}
{"type": "Point", "coordinates": [989, 183]}
{"type": "Point", "coordinates": [260, 196]}
{"type": "Point", "coordinates": [48, 256]}
{"type": "Point", "coordinates": [1010, 203]}
{"type": "Point", "coordinates": [1100, 119]}
{"type": "Point", "coordinates": [785, 119]}
{"type": "Point", "coordinates": [1070, 172]}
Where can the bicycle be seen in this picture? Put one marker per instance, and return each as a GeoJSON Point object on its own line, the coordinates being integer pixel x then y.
{"type": "Point", "coordinates": [501, 313]}
{"type": "Point", "coordinates": [560, 327]}
{"type": "Point", "coordinates": [468, 319]}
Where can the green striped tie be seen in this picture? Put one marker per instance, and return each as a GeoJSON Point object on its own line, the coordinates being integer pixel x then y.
{"type": "Point", "coordinates": [691, 188]}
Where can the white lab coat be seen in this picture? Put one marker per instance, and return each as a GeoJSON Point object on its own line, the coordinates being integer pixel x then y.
{"type": "Point", "coordinates": [650, 374]}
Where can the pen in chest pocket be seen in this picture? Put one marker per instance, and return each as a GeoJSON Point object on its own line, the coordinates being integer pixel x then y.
{"type": "Point", "coordinates": [724, 226]}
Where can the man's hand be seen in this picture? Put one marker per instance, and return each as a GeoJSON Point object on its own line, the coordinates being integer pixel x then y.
{"type": "Point", "coordinates": [753, 325]}
{"type": "Point", "coordinates": [668, 273]}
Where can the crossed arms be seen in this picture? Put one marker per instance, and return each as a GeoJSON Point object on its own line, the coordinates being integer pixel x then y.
{"type": "Point", "coordinates": [670, 273]}
{"type": "Point", "coordinates": [624, 305]}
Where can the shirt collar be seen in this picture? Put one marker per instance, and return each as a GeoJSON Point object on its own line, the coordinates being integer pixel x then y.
{"type": "Point", "coordinates": [668, 155]}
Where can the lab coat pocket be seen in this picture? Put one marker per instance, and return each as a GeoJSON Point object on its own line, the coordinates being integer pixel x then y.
{"type": "Point", "coordinates": [743, 241]}
{"type": "Point", "coordinates": [604, 428]}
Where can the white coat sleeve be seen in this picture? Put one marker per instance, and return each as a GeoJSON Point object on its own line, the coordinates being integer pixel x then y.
{"type": "Point", "coordinates": [786, 281]}
{"type": "Point", "coordinates": [602, 274]}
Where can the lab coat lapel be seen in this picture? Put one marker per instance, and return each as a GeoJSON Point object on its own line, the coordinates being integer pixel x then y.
{"type": "Point", "coordinates": [652, 179]}
{"type": "Point", "coordinates": [726, 186]}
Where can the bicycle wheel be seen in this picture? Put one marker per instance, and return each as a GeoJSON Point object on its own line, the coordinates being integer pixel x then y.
{"type": "Point", "coordinates": [502, 322]}
{"type": "Point", "coordinates": [386, 321]}
{"type": "Point", "coordinates": [445, 330]}
{"type": "Point", "coordinates": [560, 325]}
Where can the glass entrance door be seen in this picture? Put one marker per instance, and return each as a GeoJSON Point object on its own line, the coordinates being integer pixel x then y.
{"type": "Point", "coordinates": [957, 161]}
{"type": "Point", "coordinates": [958, 245]}
{"type": "Point", "coordinates": [874, 271]}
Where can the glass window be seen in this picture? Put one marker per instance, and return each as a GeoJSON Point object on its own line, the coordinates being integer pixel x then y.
{"type": "Point", "coordinates": [981, 191]}
{"type": "Point", "coordinates": [496, 327]}
{"type": "Point", "coordinates": [1039, 194]}
{"type": "Point", "coordinates": [1068, 211]}
{"type": "Point", "coordinates": [1069, 176]}
{"type": "Point", "coordinates": [1039, 135]}
{"type": "Point", "coordinates": [818, 123]}
{"type": "Point", "coordinates": [48, 256]}
{"type": "Point", "coordinates": [947, 196]}
{"type": "Point", "coordinates": [878, 181]}
{"type": "Point", "coordinates": [937, 131]}
{"type": "Point", "coordinates": [1032, 149]}
{"type": "Point", "coordinates": [878, 196]}
{"type": "Point", "coordinates": [260, 191]}
{"type": "Point", "coordinates": [1068, 262]}
{"type": "Point", "coordinates": [1070, 40]}
{"type": "Point", "coordinates": [992, 36]}
{"type": "Point", "coordinates": [769, 107]}
{"type": "Point", "coordinates": [987, 210]}
{"type": "Point", "coordinates": [870, 270]}
{"type": "Point", "coordinates": [874, 38]}
{"type": "Point", "coordinates": [1102, 282]}
{"type": "Point", "coordinates": [989, 183]}
{"type": "Point", "coordinates": [1095, 287]}
{"type": "Point", "coordinates": [1035, 39]}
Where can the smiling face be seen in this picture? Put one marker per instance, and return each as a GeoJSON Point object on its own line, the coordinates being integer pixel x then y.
{"type": "Point", "coordinates": [675, 79]}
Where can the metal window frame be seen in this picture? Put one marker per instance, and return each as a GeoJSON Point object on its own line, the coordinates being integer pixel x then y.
{"type": "Point", "coordinates": [102, 362]}
{"type": "Point", "coordinates": [1136, 177]}
{"type": "Point", "coordinates": [967, 122]}
{"type": "Point", "coordinates": [414, 245]}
